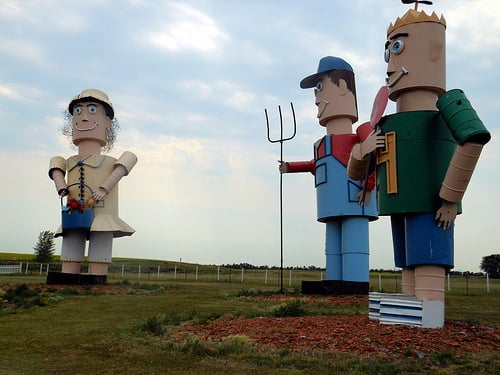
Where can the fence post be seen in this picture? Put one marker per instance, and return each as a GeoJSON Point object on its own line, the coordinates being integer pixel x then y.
{"type": "Point", "coordinates": [41, 265]}
{"type": "Point", "coordinates": [487, 283]}
{"type": "Point", "coordinates": [290, 279]}
{"type": "Point", "coordinates": [196, 273]}
{"type": "Point", "coordinates": [449, 285]}
{"type": "Point", "coordinates": [123, 269]}
{"type": "Point", "coordinates": [321, 275]}
{"type": "Point", "coordinates": [242, 273]}
{"type": "Point", "coordinates": [27, 266]}
{"type": "Point", "coordinates": [175, 273]}
{"type": "Point", "coordinates": [21, 267]}
{"type": "Point", "coordinates": [48, 265]}
{"type": "Point", "coordinates": [265, 278]}
{"type": "Point", "coordinates": [139, 271]}
{"type": "Point", "coordinates": [379, 282]}
{"type": "Point", "coordinates": [218, 273]}
{"type": "Point", "coordinates": [158, 271]}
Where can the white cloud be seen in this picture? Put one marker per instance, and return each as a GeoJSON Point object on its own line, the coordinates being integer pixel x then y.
{"type": "Point", "coordinates": [23, 49]}
{"type": "Point", "coordinates": [240, 99]}
{"type": "Point", "coordinates": [198, 88]}
{"type": "Point", "coordinates": [187, 29]}
{"type": "Point", "coordinates": [9, 92]}
{"type": "Point", "coordinates": [230, 93]}
{"type": "Point", "coordinates": [47, 16]}
{"type": "Point", "coordinates": [20, 92]}
{"type": "Point", "coordinates": [475, 27]}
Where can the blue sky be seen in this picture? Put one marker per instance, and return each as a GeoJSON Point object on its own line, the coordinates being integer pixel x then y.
{"type": "Point", "coordinates": [189, 81]}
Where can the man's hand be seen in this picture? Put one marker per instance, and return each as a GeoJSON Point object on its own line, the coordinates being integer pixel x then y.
{"type": "Point", "coordinates": [372, 142]}
{"type": "Point", "coordinates": [446, 214]}
{"type": "Point", "coordinates": [283, 166]}
{"type": "Point", "coordinates": [368, 194]}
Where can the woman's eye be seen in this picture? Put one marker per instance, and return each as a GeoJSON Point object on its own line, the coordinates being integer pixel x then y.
{"type": "Point", "coordinates": [77, 110]}
{"type": "Point", "coordinates": [92, 109]}
{"type": "Point", "coordinates": [397, 47]}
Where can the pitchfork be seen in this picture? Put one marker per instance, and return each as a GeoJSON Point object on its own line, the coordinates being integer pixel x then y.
{"type": "Point", "coordinates": [280, 140]}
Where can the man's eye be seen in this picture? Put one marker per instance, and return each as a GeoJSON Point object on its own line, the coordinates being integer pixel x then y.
{"type": "Point", "coordinates": [92, 109]}
{"type": "Point", "coordinates": [319, 86]}
{"type": "Point", "coordinates": [387, 54]}
{"type": "Point", "coordinates": [397, 47]}
{"type": "Point", "coordinates": [77, 110]}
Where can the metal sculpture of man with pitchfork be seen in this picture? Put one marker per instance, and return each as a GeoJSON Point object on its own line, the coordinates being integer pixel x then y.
{"type": "Point", "coordinates": [341, 203]}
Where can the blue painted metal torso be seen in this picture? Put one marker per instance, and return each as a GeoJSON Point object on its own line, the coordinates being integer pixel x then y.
{"type": "Point", "coordinates": [336, 193]}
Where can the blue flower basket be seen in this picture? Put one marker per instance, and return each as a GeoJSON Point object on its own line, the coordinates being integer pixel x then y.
{"type": "Point", "coordinates": [76, 219]}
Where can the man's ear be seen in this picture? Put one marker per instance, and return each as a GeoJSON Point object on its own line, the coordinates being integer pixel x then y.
{"type": "Point", "coordinates": [343, 87]}
{"type": "Point", "coordinates": [436, 50]}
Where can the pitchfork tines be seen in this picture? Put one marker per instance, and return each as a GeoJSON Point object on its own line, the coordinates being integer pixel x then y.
{"type": "Point", "coordinates": [281, 139]}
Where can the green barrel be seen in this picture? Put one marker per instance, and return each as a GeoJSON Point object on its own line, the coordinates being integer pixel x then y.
{"type": "Point", "coordinates": [461, 118]}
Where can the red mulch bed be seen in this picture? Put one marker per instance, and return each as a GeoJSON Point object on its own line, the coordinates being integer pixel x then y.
{"type": "Point", "coordinates": [352, 334]}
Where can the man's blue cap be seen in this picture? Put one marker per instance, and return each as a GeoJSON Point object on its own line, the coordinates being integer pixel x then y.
{"type": "Point", "coordinates": [326, 64]}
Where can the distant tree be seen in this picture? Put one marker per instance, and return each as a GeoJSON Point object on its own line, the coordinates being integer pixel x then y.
{"type": "Point", "coordinates": [44, 248]}
{"type": "Point", "coordinates": [491, 265]}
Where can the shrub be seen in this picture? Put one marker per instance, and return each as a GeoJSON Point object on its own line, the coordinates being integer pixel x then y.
{"type": "Point", "coordinates": [445, 357]}
{"type": "Point", "coordinates": [236, 344]}
{"type": "Point", "coordinates": [69, 292]}
{"type": "Point", "coordinates": [153, 324]}
{"type": "Point", "coordinates": [193, 345]}
{"type": "Point", "coordinates": [295, 307]}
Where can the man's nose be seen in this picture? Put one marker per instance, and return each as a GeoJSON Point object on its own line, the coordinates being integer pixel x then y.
{"type": "Point", "coordinates": [390, 67]}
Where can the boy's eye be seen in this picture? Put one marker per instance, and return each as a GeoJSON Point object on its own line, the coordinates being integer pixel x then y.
{"type": "Point", "coordinates": [398, 47]}
{"type": "Point", "coordinates": [319, 86]}
{"type": "Point", "coordinates": [92, 109]}
{"type": "Point", "coordinates": [77, 110]}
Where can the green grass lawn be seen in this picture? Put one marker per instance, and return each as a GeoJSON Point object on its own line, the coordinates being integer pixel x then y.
{"type": "Point", "coordinates": [95, 333]}
{"type": "Point", "coordinates": [69, 332]}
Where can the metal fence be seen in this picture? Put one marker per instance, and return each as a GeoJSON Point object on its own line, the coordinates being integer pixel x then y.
{"type": "Point", "coordinates": [11, 268]}
{"type": "Point", "coordinates": [292, 278]}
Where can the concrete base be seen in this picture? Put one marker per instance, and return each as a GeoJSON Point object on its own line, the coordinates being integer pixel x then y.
{"type": "Point", "coordinates": [335, 287]}
{"type": "Point", "coordinates": [60, 278]}
{"type": "Point", "coordinates": [393, 308]}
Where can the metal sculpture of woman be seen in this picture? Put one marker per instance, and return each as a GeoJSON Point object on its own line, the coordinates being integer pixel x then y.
{"type": "Point", "coordinates": [89, 180]}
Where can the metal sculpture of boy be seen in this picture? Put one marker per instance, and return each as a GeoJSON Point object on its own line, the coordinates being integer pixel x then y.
{"type": "Point", "coordinates": [341, 204]}
{"type": "Point", "coordinates": [89, 182]}
{"type": "Point", "coordinates": [432, 145]}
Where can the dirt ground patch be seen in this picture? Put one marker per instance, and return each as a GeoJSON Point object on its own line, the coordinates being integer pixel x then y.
{"type": "Point", "coordinates": [352, 334]}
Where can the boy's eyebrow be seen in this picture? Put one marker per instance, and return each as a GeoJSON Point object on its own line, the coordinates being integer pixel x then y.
{"type": "Point", "coordinates": [398, 35]}
{"type": "Point", "coordinates": [395, 36]}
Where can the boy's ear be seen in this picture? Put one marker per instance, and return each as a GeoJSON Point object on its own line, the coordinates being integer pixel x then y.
{"type": "Point", "coordinates": [343, 87]}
